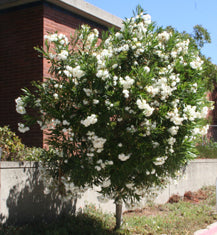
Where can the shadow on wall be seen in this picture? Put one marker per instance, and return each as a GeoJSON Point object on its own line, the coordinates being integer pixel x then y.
{"type": "Point", "coordinates": [29, 204]}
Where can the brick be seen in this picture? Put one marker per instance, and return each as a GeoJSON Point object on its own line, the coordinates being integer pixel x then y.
{"type": "Point", "coordinates": [21, 29]}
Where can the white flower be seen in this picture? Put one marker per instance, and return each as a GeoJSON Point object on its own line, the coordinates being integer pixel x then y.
{"type": "Point", "coordinates": [51, 55]}
{"type": "Point", "coordinates": [51, 38]}
{"type": "Point", "coordinates": [126, 93]}
{"type": "Point", "coordinates": [174, 54]}
{"type": "Point", "coordinates": [20, 109]}
{"type": "Point", "coordinates": [110, 163]}
{"type": "Point", "coordinates": [91, 37]}
{"type": "Point", "coordinates": [95, 101]}
{"type": "Point", "coordinates": [152, 90]}
{"type": "Point", "coordinates": [65, 123]}
{"type": "Point", "coordinates": [20, 106]}
{"type": "Point", "coordinates": [102, 74]}
{"type": "Point", "coordinates": [164, 36]}
{"type": "Point", "coordinates": [19, 101]}
{"type": "Point", "coordinates": [147, 19]}
{"type": "Point", "coordinates": [204, 130]}
{"type": "Point", "coordinates": [124, 47]}
{"type": "Point", "coordinates": [67, 73]}
{"type": "Point", "coordinates": [92, 119]}
{"type": "Point", "coordinates": [204, 112]}
{"type": "Point", "coordinates": [69, 68]}
{"type": "Point", "coordinates": [106, 183]}
{"type": "Point", "coordinates": [174, 117]}
{"type": "Point", "coordinates": [56, 122]}
{"type": "Point", "coordinates": [127, 82]}
{"type": "Point", "coordinates": [142, 104]}
{"type": "Point", "coordinates": [146, 69]}
{"type": "Point", "coordinates": [98, 142]}
{"type": "Point", "coordinates": [197, 63]}
{"type": "Point", "coordinates": [123, 157]}
{"type": "Point", "coordinates": [173, 130]}
{"type": "Point", "coordinates": [63, 55]}
{"type": "Point", "coordinates": [38, 103]}
{"type": "Point", "coordinates": [98, 168]}
{"type": "Point", "coordinates": [88, 92]}
{"type": "Point", "coordinates": [90, 154]}
{"type": "Point", "coordinates": [191, 112]}
{"type": "Point", "coordinates": [77, 72]}
{"type": "Point", "coordinates": [22, 128]}
{"type": "Point", "coordinates": [160, 160]}
{"type": "Point", "coordinates": [55, 95]}
{"type": "Point", "coordinates": [96, 32]}
{"type": "Point", "coordinates": [171, 141]}
{"type": "Point", "coordinates": [114, 66]}
{"type": "Point", "coordinates": [155, 144]}
{"type": "Point", "coordinates": [85, 102]}
{"type": "Point", "coordinates": [119, 35]}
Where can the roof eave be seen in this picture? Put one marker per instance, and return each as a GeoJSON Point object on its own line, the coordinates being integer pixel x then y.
{"type": "Point", "coordinates": [79, 7]}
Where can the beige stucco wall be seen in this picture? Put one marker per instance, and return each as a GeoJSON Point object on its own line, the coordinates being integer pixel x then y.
{"type": "Point", "coordinates": [22, 195]}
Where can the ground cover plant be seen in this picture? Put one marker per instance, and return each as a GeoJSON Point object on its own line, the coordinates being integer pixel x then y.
{"type": "Point", "coordinates": [12, 148]}
{"type": "Point", "coordinates": [184, 216]}
{"type": "Point", "coordinates": [122, 114]}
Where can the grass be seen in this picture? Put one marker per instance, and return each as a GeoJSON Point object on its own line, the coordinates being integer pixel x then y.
{"type": "Point", "coordinates": [183, 217]}
{"type": "Point", "coordinates": [207, 148]}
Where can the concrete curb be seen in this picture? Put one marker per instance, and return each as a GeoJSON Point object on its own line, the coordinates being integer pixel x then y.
{"type": "Point", "coordinates": [210, 230]}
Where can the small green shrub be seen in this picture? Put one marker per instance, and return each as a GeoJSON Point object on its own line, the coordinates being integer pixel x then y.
{"type": "Point", "coordinates": [14, 150]}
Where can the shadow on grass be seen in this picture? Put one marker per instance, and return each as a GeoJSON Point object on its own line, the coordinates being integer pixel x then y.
{"type": "Point", "coordinates": [30, 211]}
{"type": "Point", "coordinates": [70, 225]}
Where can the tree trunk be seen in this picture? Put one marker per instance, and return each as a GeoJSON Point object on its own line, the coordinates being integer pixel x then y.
{"type": "Point", "coordinates": [118, 214]}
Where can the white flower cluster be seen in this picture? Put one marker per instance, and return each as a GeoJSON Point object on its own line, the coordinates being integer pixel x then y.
{"type": "Point", "coordinates": [90, 120]}
{"type": "Point", "coordinates": [104, 74]}
{"type": "Point", "coordinates": [191, 112]}
{"type": "Point", "coordinates": [196, 63]}
{"type": "Point", "coordinates": [164, 36]}
{"type": "Point", "coordinates": [141, 28]}
{"type": "Point", "coordinates": [175, 117]}
{"type": "Point", "coordinates": [61, 38]}
{"type": "Point", "coordinates": [162, 88]}
{"type": "Point", "coordinates": [63, 55]}
{"type": "Point", "coordinates": [180, 48]}
{"type": "Point", "coordinates": [98, 142]}
{"type": "Point", "coordinates": [92, 36]}
{"type": "Point", "coordinates": [142, 104]}
{"type": "Point", "coordinates": [123, 157]}
{"type": "Point", "coordinates": [126, 82]}
{"type": "Point", "coordinates": [102, 165]}
{"type": "Point", "coordinates": [173, 130]}
{"type": "Point", "coordinates": [22, 128]}
{"type": "Point", "coordinates": [106, 183]}
{"type": "Point", "coordinates": [148, 126]}
{"type": "Point", "coordinates": [76, 72]}
{"type": "Point", "coordinates": [20, 106]}
{"type": "Point", "coordinates": [160, 160]}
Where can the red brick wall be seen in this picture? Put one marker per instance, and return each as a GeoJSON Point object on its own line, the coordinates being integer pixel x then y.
{"type": "Point", "coordinates": [20, 30]}
{"type": "Point", "coordinates": [62, 21]}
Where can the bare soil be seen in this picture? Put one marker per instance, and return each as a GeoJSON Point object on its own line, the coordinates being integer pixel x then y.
{"type": "Point", "coordinates": [192, 197]}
